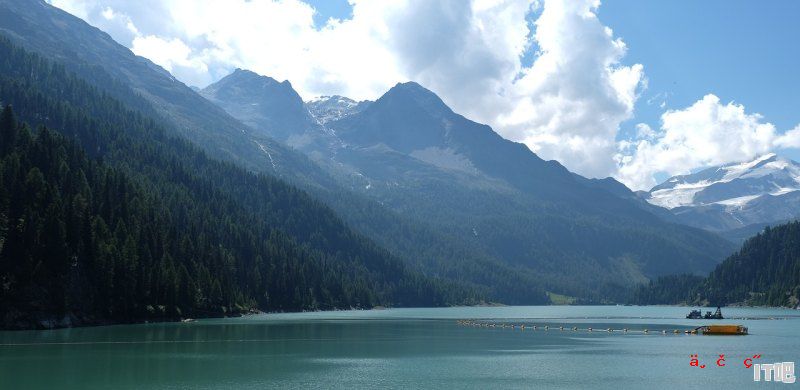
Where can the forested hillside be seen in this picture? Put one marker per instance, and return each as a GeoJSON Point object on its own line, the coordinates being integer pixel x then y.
{"type": "Point", "coordinates": [113, 220]}
{"type": "Point", "coordinates": [765, 271]}
{"type": "Point", "coordinates": [140, 85]}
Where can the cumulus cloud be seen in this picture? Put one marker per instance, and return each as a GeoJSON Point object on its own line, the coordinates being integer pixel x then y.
{"type": "Point", "coordinates": [472, 55]}
{"type": "Point", "coordinates": [119, 18]}
{"type": "Point", "coordinates": [790, 139]}
{"type": "Point", "coordinates": [171, 54]}
{"type": "Point", "coordinates": [704, 134]}
{"type": "Point", "coordinates": [568, 104]}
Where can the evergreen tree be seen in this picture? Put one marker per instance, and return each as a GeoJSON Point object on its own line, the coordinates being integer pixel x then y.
{"type": "Point", "coordinates": [106, 218]}
{"type": "Point", "coordinates": [765, 271]}
{"type": "Point", "coordinates": [8, 129]}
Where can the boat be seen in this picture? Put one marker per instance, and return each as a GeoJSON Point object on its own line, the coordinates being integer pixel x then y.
{"type": "Point", "coordinates": [716, 316]}
{"type": "Point", "coordinates": [697, 314]}
{"type": "Point", "coordinates": [723, 330]}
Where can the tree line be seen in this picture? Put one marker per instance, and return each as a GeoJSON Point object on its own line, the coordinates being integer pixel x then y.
{"type": "Point", "coordinates": [105, 217]}
{"type": "Point", "coordinates": [765, 271]}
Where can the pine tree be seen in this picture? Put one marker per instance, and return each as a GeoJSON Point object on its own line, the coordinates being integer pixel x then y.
{"type": "Point", "coordinates": [8, 129]}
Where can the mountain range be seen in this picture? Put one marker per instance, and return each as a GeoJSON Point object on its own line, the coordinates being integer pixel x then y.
{"type": "Point", "coordinates": [736, 199]}
{"type": "Point", "coordinates": [448, 197]}
{"type": "Point", "coordinates": [410, 152]}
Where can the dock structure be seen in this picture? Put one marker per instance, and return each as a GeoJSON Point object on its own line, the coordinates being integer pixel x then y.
{"type": "Point", "coordinates": [737, 330]}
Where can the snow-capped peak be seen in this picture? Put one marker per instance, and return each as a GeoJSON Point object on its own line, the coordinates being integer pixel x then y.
{"type": "Point", "coordinates": [730, 185]}
{"type": "Point", "coordinates": [330, 108]}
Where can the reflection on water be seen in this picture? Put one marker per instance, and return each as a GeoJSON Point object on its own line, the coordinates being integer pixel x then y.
{"type": "Point", "coordinates": [410, 348]}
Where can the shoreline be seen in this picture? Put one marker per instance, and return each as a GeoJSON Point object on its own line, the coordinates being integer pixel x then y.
{"type": "Point", "coordinates": [73, 321]}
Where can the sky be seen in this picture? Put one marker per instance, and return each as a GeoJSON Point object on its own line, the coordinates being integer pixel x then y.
{"type": "Point", "coordinates": [637, 90]}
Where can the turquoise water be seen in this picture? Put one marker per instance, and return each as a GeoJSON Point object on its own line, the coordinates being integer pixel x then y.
{"type": "Point", "coordinates": [404, 348]}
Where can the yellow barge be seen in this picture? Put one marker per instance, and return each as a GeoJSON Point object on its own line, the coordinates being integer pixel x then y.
{"type": "Point", "coordinates": [723, 330]}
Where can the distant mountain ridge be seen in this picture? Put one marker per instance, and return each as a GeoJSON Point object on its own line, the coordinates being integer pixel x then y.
{"type": "Point", "coordinates": [412, 153]}
{"type": "Point", "coordinates": [272, 109]}
{"type": "Point", "coordinates": [734, 196]}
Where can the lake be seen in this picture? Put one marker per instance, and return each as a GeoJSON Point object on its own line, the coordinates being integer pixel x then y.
{"type": "Point", "coordinates": [405, 348]}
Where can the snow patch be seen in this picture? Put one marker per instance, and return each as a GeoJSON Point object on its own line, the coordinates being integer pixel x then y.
{"type": "Point", "coordinates": [738, 202]}
{"type": "Point", "coordinates": [332, 108]}
{"type": "Point", "coordinates": [783, 190]}
{"type": "Point", "coordinates": [767, 174]}
{"type": "Point", "coordinates": [676, 197]}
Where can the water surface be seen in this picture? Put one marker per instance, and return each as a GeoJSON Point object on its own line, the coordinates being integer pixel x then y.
{"type": "Point", "coordinates": [403, 348]}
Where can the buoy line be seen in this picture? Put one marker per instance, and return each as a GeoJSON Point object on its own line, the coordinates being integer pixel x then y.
{"type": "Point", "coordinates": [562, 328]}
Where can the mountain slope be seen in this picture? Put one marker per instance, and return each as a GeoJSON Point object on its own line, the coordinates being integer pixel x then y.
{"type": "Point", "coordinates": [765, 271]}
{"type": "Point", "coordinates": [97, 58]}
{"type": "Point", "coordinates": [476, 193]}
{"type": "Point", "coordinates": [410, 152]}
{"type": "Point", "coordinates": [734, 196]}
{"type": "Point", "coordinates": [234, 239]}
{"type": "Point", "coordinates": [278, 111]}
{"type": "Point", "coordinates": [141, 86]}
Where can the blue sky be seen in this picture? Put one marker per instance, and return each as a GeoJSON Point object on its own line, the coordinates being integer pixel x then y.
{"type": "Point", "coordinates": [744, 51]}
{"type": "Point", "coordinates": [741, 50]}
{"type": "Point", "coordinates": [326, 9]}
{"type": "Point", "coordinates": [680, 85]}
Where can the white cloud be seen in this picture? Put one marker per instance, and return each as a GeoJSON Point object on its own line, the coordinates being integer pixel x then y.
{"type": "Point", "coordinates": [104, 15]}
{"type": "Point", "coordinates": [275, 38]}
{"type": "Point", "coordinates": [704, 134]}
{"type": "Point", "coordinates": [568, 105]}
{"type": "Point", "coordinates": [77, 8]}
{"type": "Point", "coordinates": [790, 139]}
{"type": "Point", "coordinates": [173, 54]}
{"type": "Point", "coordinates": [644, 131]}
